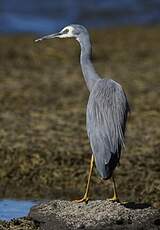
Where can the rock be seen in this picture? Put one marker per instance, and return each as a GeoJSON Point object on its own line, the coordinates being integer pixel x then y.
{"type": "Point", "coordinates": [98, 214]}
{"type": "Point", "coordinates": [19, 224]}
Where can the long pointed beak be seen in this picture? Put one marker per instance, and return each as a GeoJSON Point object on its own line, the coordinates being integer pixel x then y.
{"type": "Point", "coordinates": [56, 35]}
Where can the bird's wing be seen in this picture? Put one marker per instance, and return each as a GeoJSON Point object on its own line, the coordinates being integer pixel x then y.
{"type": "Point", "coordinates": [107, 111]}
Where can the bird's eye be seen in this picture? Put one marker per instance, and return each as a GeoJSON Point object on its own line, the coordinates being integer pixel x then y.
{"type": "Point", "coordinates": [65, 31]}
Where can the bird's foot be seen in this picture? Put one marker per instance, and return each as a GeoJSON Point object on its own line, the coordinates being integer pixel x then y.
{"type": "Point", "coordinates": [114, 199]}
{"type": "Point", "coordinates": [124, 202]}
{"type": "Point", "coordinates": [84, 199]}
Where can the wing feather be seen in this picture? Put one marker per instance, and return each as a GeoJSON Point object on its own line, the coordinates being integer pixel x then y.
{"type": "Point", "coordinates": [107, 111]}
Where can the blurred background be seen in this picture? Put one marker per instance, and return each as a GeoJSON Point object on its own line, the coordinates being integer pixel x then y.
{"type": "Point", "coordinates": [46, 16]}
{"type": "Point", "coordinates": [44, 149]}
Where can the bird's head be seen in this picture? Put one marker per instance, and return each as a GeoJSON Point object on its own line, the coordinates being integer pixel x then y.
{"type": "Point", "coordinates": [71, 31]}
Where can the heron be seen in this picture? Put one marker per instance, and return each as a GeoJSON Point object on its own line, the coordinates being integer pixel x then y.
{"type": "Point", "coordinates": [106, 113]}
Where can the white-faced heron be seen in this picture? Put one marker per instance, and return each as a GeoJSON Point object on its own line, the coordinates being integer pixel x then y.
{"type": "Point", "coordinates": [107, 111]}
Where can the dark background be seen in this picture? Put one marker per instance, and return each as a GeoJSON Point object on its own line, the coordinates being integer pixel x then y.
{"type": "Point", "coordinates": [46, 16]}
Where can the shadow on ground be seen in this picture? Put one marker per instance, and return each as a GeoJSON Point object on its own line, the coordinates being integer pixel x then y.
{"type": "Point", "coordinates": [133, 205]}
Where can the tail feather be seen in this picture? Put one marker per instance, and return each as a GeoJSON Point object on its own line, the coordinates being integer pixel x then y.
{"type": "Point", "coordinates": [106, 169]}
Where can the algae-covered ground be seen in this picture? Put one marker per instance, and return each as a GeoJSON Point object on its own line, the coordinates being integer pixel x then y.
{"type": "Point", "coordinates": [44, 149]}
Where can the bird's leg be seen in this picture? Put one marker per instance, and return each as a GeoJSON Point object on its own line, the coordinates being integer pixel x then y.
{"type": "Point", "coordinates": [115, 197]}
{"type": "Point", "coordinates": [85, 197]}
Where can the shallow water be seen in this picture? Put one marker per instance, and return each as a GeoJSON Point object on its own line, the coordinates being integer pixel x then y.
{"type": "Point", "coordinates": [10, 209]}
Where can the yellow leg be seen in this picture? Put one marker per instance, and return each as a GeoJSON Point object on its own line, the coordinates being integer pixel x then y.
{"type": "Point", "coordinates": [115, 197]}
{"type": "Point", "coordinates": [85, 197]}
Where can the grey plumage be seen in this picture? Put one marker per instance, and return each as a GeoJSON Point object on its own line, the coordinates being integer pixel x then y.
{"type": "Point", "coordinates": [107, 107]}
{"type": "Point", "coordinates": [106, 118]}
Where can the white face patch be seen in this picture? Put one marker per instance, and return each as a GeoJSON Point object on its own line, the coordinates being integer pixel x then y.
{"type": "Point", "coordinates": [68, 32]}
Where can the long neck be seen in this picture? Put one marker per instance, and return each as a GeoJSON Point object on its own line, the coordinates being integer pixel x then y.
{"type": "Point", "coordinates": [87, 67]}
